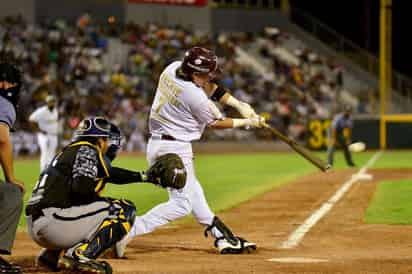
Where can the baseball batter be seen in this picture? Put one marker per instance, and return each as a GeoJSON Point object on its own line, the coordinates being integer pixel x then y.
{"type": "Point", "coordinates": [45, 120]}
{"type": "Point", "coordinates": [181, 110]}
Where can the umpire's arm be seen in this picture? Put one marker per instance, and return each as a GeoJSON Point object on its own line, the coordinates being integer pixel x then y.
{"type": "Point", "coordinates": [6, 156]}
{"type": "Point", "coordinates": [6, 152]}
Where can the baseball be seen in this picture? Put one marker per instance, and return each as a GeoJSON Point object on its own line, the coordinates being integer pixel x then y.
{"type": "Point", "coordinates": [357, 147]}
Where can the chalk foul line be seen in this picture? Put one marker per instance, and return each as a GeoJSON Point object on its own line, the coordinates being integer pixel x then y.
{"type": "Point", "coordinates": [296, 237]}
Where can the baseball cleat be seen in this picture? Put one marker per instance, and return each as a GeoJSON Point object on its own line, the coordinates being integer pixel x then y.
{"type": "Point", "coordinates": [242, 246]}
{"type": "Point", "coordinates": [84, 265]}
{"type": "Point", "coordinates": [49, 259]}
{"type": "Point", "coordinates": [8, 268]}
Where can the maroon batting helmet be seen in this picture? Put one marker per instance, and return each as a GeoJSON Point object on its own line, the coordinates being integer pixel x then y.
{"type": "Point", "coordinates": [201, 60]}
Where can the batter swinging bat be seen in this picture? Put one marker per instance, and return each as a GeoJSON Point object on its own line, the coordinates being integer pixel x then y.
{"type": "Point", "coordinates": [300, 149]}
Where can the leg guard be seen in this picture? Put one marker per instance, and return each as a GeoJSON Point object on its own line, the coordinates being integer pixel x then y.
{"type": "Point", "coordinates": [110, 231]}
{"type": "Point", "coordinates": [226, 232]}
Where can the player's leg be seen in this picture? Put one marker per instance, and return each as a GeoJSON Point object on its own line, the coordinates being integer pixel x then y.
{"type": "Point", "coordinates": [331, 152]}
{"type": "Point", "coordinates": [51, 148]}
{"type": "Point", "coordinates": [42, 140]}
{"type": "Point", "coordinates": [226, 242]}
{"type": "Point", "coordinates": [11, 204]}
{"type": "Point", "coordinates": [346, 152]}
{"type": "Point", "coordinates": [85, 231]}
{"type": "Point", "coordinates": [177, 206]}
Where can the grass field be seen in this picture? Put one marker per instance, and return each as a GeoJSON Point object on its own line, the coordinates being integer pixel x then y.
{"type": "Point", "coordinates": [391, 203]}
{"type": "Point", "coordinates": [227, 179]}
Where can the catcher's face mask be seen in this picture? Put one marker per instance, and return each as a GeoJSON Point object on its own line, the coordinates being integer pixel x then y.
{"type": "Point", "coordinates": [115, 142]}
{"type": "Point", "coordinates": [10, 77]}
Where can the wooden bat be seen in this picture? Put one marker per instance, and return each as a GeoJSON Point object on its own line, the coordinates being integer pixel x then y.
{"type": "Point", "coordinates": [300, 149]}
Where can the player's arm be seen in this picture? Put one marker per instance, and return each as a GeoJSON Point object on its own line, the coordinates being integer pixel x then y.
{"type": "Point", "coordinates": [35, 127]}
{"type": "Point", "coordinates": [6, 152]}
{"type": "Point", "coordinates": [256, 122]}
{"type": "Point", "coordinates": [6, 156]}
{"type": "Point", "coordinates": [85, 174]}
{"type": "Point", "coordinates": [121, 176]}
{"type": "Point", "coordinates": [34, 121]}
{"type": "Point", "coordinates": [167, 171]}
{"type": "Point", "coordinates": [223, 96]}
{"type": "Point", "coordinates": [219, 122]}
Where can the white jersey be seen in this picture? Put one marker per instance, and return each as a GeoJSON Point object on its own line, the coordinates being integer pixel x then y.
{"type": "Point", "coordinates": [180, 108]}
{"type": "Point", "coordinates": [47, 120]}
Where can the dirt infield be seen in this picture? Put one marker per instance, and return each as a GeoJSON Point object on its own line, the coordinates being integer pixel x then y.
{"type": "Point", "coordinates": [341, 238]}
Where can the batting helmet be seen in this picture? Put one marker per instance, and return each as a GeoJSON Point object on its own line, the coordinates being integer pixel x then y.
{"type": "Point", "coordinates": [9, 73]}
{"type": "Point", "coordinates": [201, 60]}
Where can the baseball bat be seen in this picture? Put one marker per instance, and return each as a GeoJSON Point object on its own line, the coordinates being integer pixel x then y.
{"type": "Point", "coordinates": [300, 149]}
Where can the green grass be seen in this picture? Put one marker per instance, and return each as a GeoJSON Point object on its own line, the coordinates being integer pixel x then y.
{"type": "Point", "coordinates": [227, 179]}
{"type": "Point", "coordinates": [395, 159]}
{"type": "Point", "coordinates": [391, 203]}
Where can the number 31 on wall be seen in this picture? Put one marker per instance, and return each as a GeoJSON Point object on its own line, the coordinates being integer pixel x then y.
{"type": "Point", "coordinates": [318, 138]}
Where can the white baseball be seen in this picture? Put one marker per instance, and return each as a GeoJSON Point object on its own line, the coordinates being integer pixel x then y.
{"type": "Point", "coordinates": [357, 147]}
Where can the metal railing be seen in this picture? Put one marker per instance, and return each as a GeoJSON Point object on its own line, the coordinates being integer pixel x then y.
{"type": "Point", "coordinates": [400, 83]}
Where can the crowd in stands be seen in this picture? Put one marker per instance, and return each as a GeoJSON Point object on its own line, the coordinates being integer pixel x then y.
{"type": "Point", "coordinates": [72, 61]}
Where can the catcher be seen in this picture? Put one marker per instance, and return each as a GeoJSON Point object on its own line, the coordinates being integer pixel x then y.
{"type": "Point", "coordinates": [67, 216]}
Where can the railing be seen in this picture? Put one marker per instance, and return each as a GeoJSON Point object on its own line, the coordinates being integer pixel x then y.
{"type": "Point", "coordinates": [400, 83]}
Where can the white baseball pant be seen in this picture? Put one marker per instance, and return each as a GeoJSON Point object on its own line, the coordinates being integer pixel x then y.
{"type": "Point", "coordinates": [48, 146]}
{"type": "Point", "coordinates": [190, 199]}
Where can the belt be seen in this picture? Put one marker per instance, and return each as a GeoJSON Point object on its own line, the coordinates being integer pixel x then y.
{"type": "Point", "coordinates": [162, 137]}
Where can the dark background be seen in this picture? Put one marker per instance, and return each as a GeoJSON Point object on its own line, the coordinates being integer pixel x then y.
{"type": "Point", "coordinates": [358, 20]}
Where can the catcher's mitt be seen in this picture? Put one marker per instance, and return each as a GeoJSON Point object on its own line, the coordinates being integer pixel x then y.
{"type": "Point", "coordinates": [168, 171]}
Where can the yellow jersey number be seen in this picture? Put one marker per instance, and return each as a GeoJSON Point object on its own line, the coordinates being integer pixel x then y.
{"type": "Point", "coordinates": [318, 138]}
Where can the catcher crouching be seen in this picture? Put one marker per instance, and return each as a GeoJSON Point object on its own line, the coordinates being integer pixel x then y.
{"type": "Point", "coordinates": [67, 216]}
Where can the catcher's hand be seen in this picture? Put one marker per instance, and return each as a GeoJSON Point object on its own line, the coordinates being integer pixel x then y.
{"type": "Point", "coordinates": [167, 171]}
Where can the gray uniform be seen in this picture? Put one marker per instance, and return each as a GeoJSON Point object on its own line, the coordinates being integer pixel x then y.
{"type": "Point", "coordinates": [11, 198]}
{"type": "Point", "coordinates": [339, 124]}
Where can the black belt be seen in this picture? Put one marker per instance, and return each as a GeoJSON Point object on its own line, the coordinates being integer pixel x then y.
{"type": "Point", "coordinates": [162, 137]}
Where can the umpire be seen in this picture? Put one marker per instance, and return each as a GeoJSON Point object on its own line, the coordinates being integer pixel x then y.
{"type": "Point", "coordinates": [341, 122]}
{"type": "Point", "coordinates": [11, 191]}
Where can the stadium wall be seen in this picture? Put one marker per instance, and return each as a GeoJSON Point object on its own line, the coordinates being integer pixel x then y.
{"type": "Point", "coordinates": [197, 17]}
{"type": "Point", "coordinates": [100, 10]}
{"type": "Point", "coordinates": [250, 20]}
{"type": "Point", "coordinates": [206, 18]}
{"type": "Point", "coordinates": [15, 7]}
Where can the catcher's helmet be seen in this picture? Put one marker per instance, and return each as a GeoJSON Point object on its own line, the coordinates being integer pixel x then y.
{"type": "Point", "coordinates": [9, 73]}
{"type": "Point", "coordinates": [201, 60]}
{"type": "Point", "coordinates": [93, 127]}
